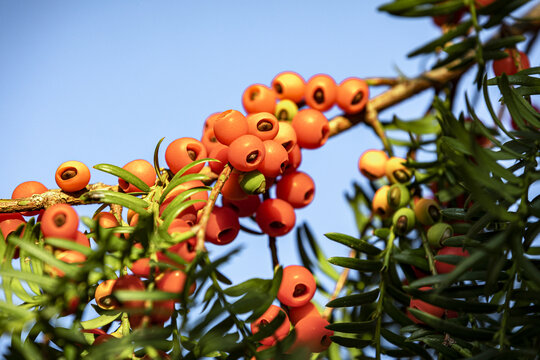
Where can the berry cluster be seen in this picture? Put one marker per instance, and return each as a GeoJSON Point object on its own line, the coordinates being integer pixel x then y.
{"type": "Point", "coordinates": [409, 213]}
{"type": "Point", "coordinates": [295, 293]}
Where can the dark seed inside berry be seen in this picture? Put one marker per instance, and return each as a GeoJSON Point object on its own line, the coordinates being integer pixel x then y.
{"type": "Point", "coordinates": [283, 166]}
{"type": "Point", "coordinates": [357, 98]}
{"type": "Point", "coordinates": [59, 220]}
{"type": "Point", "coordinates": [213, 139]}
{"type": "Point", "coordinates": [283, 115]}
{"type": "Point", "coordinates": [287, 145]}
{"type": "Point", "coordinates": [264, 125]}
{"type": "Point", "coordinates": [446, 234]}
{"type": "Point", "coordinates": [381, 211]}
{"type": "Point", "coordinates": [325, 340]}
{"type": "Point", "coordinates": [253, 94]}
{"type": "Point", "coordinates": [278, 88]}
{"type": "Point", "coordinates": [395, 197]}
{"type": "Point", "coordinates": [190, 247]}
{"type": "Point", "coordinates": [434, 212]}
{"type": "Point", "coordinates": [192, 154]}
{"type": "Point", "coordinates": [402, 176]}
{"type": "Point", "coordinates": [299, 290]}
{"type": "Point", "coordinates": [69, 173]}
{"type": "Point", "coordinates": [324, 132]}
{"type": "Point", "coordinates": [309, 195]}
{"type": "Point", "coordinates": [252, 156]}
{"type": "Point", "coordinates": [224, 234]}
{"type": "Point", "coordinates": [318, 96]}
{"type": "Point", "coordinates": [277, 225]}
{"type": "Point", "coordinates": [401, 225]}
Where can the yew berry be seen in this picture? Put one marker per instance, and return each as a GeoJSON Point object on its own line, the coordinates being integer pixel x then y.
{"type": "Point", "coordinates": [372, 164]}
{"type": "Point", "coordinates": [245, 207]}
{"type": "Point", "coordinates": [439, 232]}
{"type": "Point", "coordinates": [398, 196]}
{"type": "Point", "coordinates": [298, 313]}
{"type": "Point", "coordinates": [275, 217]}
{"type": "Point", "coordinates": [210, 120]}
{"type": "Point", "coordinates": [311, 332]}
{"type": "Point", "coordinates": [143, 170]}
{"type": "Point", "coordinates": [321, 92]}
{"type": "Point", "coordinates": [352, 95]}
{"type": "Point", "coordinates": [427, 211]}
{"type": "Point", "coordinates": [60, 221]}
{"type": "Point", "coordinates": [286, 136]}
{"type": "Point", "coordinates": [231, 189]}
{"type": "Point", "coordinates": [223, 226]}
{"type": "Point", "coordinates": [104, 297]}
{"type": "Point", "coordinates": [27, 189]}
{"type": "Point", "coordinates": [72, 176]}
{"type": "Point", "coordinates": [188, 185]}
{"type": "Point", "coordinates": [130, 282]}
{"type": "Point", "coordinates": [379, 204]}
{"type": "Point", "coordinates": [184, 151]}
{"type": "Point", "coordinates": [482, 3]}
{"type": "Point", "coordinates": [173, 281]}
{"type": "Point", "coordinates": [209, 140]}
{"type": "Point", "coordinates": [514, 62]}
{"type": "Point", "coordinates": [189, 214]}
{"type": "Point", "coordinates": [289, 85]}
{"type": "Point", "coordinates": [253, 182]}
{"type": "Point", "coordinates": [8, 216]}
{"type": "Point", "coordinates": [219, 152]}
{"type": "Point", "coordinates": [297, 286]}
{"type": "Point", "coordinates": [230, 125]}
{"type": "Point", "coordinates": [258, 98]}
{"type": "Point", "coordinates": [10, 225]}
{"type": "Point", "coordinates": [141, 267]}
{"type": "Point", "coordinates": [275, 159]}
{"type": "Point", "coordinates": [425, 307]}
{"type": "Point", "coordinates": [246, 153]}
{"type": "Point", "coordinates": [162, 311]}
{"type": "Point", "coordinates": [296, 188]}
{"type": "Point", "coordinates": [100, 339]}
{"type": "Point", "coordinates": [311, 127]}
{"type": "Point", "coordinates": [266, 318]}
{"type": "Point", "coordinates": [68, 256]}
{"type": "Point", "coordinates": [444, 268]}
{"type": "Point", "coordinates": [403, 221]}
{"type": "Point", "coordinates": [185, 249]}
{"type": "Point", "coordinates": [295, 159]}
{"type": "Point", "coordinates": [263, 125]}
{"type": "Point", "coordinates": [285, 110]}
{"type": "Point", "coordinates": [396, 172]}
{"type": "Point", "coordinates": [106, 219]}
{"type": "Point", "coordinates": [449, 19]}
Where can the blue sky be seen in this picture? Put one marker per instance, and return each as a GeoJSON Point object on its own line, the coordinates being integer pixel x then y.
{"type": "Point", "coordinates": [103, 81]}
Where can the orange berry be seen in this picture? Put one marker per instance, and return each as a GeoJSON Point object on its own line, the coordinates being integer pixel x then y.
{"type": "Point", "coordinates": [311, 127]}
{"type": "Point", "coordinates": [275, 159]}
{"type": "Point", "coordinates": [298, 313]}
{"type": "Point", "coordinates": [372, 164]}
{"type": "Point", "coordinates": [230, 125]}
{"type": "Point", "coordinates": [295, 159]}
{"type": "Point", "coordinates": [60, 221]}
{"type": "Point", "coordinates": [286, 136]}
{"type": "Point", "coordinates": [266, 318]}
{"type": "Point", "coordinates": [185, 249]}
{"type": "Point", "coordinates": [209, 140]}
{"type": "Point", "coordinates": [223, 226]}
{"type": "Point", "coordinates": [130, 282]}
{"type": "Point", "coordinates": [219, 152]}
{"type": "Point", "coordinates": [106, 219]}
{"type": "Point", "coordinates": [174, 282]}
{"type": "Point", "coordinates": [72, 176]}
{"type": "Point", "coordinates": [8, 216]}
{"type": "Point", "coordinates": [27, 189]}
{"type": "Point", "coordinates": [143, 170]}
{"type": "Point", "coordinates": [311, 332]}
{"type": "Point", "coordinates": [210, 120]}
{"type": "Point", "coordinates": [425, 307]}
{"type": "Point", "coordinates": [68, 256]}
{"type": "Point", "coordinates": [263, 125]}
{"type": "Point", "coordinates": [379, 204]}
{"type": "Point", "coordinates": [231, 189]}
{"type": "Point", "coordinates": [321, 92]}
{"type": "Point", "coordinates": [289, 85]}
{"type": "Point", "coordinates": [509, 64]}
{"type": "Point", "coordinates": [427, 211]}
{"type": "Point", "coordinates": [396, 172]}
{"type": "Point", "coordinates": [104, 297]}
{"type": "Point", "coordinates": [201, 195]}
{"type": "Point", "coordinates": [275, 217]}
{"type": "Point", "coordinates": [297, 286]}
{"type": "Point", "coordinates": [184, 151]}
{"type": "Point", "coordinates": [258, 98]}
{"type": "Point", "coordinates": [296, 188]}
{"type": "Point", "coordinates": [246, 153]}
{"type": "Point", "coordinates": [352, 95]}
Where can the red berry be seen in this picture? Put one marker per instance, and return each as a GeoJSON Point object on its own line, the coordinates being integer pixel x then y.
{"type": "Point", "coordinates": [297, 286]}
{"type": "Point", "coordinates": [231, 189]}
{"type": "Point", "coordinates": [275, 217]}
{"type": "Point", "coordinates": [219, 152]}
{"type": "Point", "coordinates": [269, 315]}
{"type": "Point", "coordinates": [130, 282]}
{"type": "Point", "coordinates": [245, 207]}
{"type": "Point", "coordinates": [72, 176]}
{"type": "Point", "coordinates": [514, 62]}
{"type": "Point", "coordinates": [184, 151]}
{"type": "Point", "coordinates": [143, 170]}
{"type": "Point", "coordinates": [223, 226]}
{"type": "Point", "coordinates": [27, 189]}
{"type": "Point", "coordinates": [297, 188]}
{"type": "Point", "coordinates": [286, 136]}
{"type": "Point", "coordinates": [230, 125]}
{"type": "Point", "coordinates": [311, 332]}
{"type": "Point", "coordinates": [425, 307]}
{"type": "Point", "coordinates": [321, 92]}
{"type": "Point", "coordinates": [444, 268]}
{"type": "Point", "coordinates": [246, 153]}
{"type": "Point", "coordinates": [263, 125]}
{"type": "Point", "coordinates": [275, 159]}
{"type": "Point", "coordinates": [298, 313]}
{"type": "Point", "coordinates": [258, 98]}
{"type": "Point", "coordinates": [311, 127]}
{"type": "Point", "coordinates": [295, 159]}
{"type": "Point", "coordinates": [352, 95]}
{"type": "Point", "coordinates": [60, 221]}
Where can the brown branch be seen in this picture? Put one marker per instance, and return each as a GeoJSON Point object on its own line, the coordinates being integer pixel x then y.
{"type": "Point", "coordinates": [51, 197]}
{"type": "Point", "coordinates": [381, 81]}
{"type": "Point", "coordinates": [207, 210]}
{"type": "Point", "coordinates": [273, 251]}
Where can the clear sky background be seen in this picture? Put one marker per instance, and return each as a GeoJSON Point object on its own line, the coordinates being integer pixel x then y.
{"type": "Point", "coordinates": [103, 81]}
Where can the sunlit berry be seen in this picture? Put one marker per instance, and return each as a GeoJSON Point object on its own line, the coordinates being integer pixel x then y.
{"type": "Point", "coordinates": [263, 125]}
{"type": "Point", "coordinates": [352, 95]}
{"type": "Point", "coordinates": [321, 92]}
{"type": "Point", "coordinates": [231, 189]}
{"type": "Point", "coordinates": [396, 172]}
{"type": "Point", "coordinates": [184, 151]}
{"type": "Point", "coordinates": [185, 249]}
{"type": "Point", "coordinates": [275, 159]}
{"type": "Point", "coordinates": [379, 204]}
{"type": "Point", "coordinates": [289, 85]}
{"type": "Point", "coordinates": [312, 128]}
{"type": "Point", "coordinates": [286, 136]}
{"type": "Point", "coordinates": [398, 196]}
{"type": "Point", "coordinates": [219, 152]}
{"type": "Point", "coordinates": [230, 125]}
{"type": "Point", "coordinates": [60, 221]}
{"type": "Point", "coordinates": [246, 153]}
{"type": "Point", "coordinates": [68, 256]}
{"type": "Point", "coordinates": [297, 188]}
{"type": "Point", "coordinates": [427, 211]}
{"type": "Point", "coordinates": [297, 286]}
{"type": "Point", "coordinates": [27, 189]}
{"type": "Point", "coordinates": [286, 110]}
{"type": "Point", "coordinates": [514, 62]}
{"type": "Point", "coordinates": [266, 318]}
{"type": "Point", "coordinates": [275, 217]}
{"type": "Point", "coordinates": [372, 164]}
{"type": "Point", "coordinates": [143, 170]}
{"type": "Point", "coordinates": [210, 120]}
{"type": "Point", "coordinates": [258, 98]}
{"type": "Point", "coordinates": [209, 140]}
{"type": "Point", "coordinates": [299, 312]}
{"type": "Point", "coordinates": [295, 159]}
{"type": "Point", "coordinates": [72, 176]}
{"type": "Point", "coordinates": [104, 297]}
{"type": "Point", "coordinates": [245, 207]}
{"type": "Point", "coordinates": [311, 332]}
{"type": "Point", "coordinates": [130, 282]}
{"type": "Point", "coordinates": [10, 225]}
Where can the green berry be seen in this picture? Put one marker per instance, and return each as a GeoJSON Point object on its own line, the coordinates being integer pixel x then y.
{"type": "Point", "coordinates": [253, 182]}
{"type": "Point", "coordinates": [403, 221]}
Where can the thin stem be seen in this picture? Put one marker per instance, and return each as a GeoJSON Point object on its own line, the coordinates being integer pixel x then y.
{"type": "Point", "coordinates": [273, 251]}
{"type": "Point", "coordinates": [207, 210]}
{"type": "Point", "coordinates": [429, 253]}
